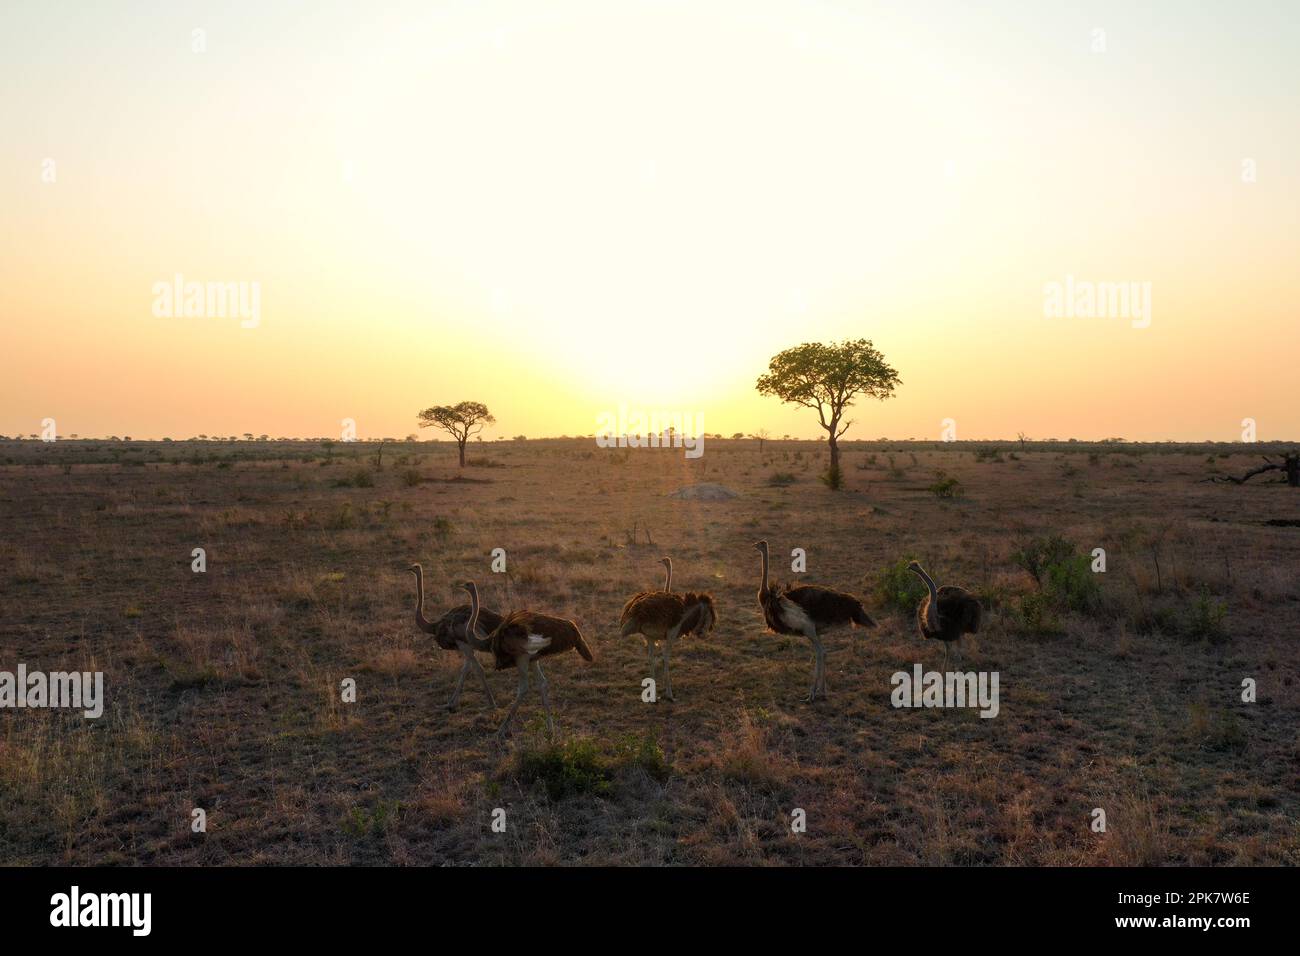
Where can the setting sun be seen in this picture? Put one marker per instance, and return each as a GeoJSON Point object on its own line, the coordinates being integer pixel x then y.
{"type": "Point", "coordinates": [557, 208]}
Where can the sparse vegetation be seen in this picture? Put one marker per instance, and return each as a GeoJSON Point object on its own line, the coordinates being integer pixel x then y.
{"type": "Point", "coordinates": [898, 589]}
{"type": "Point", "coordinates": [237, 704]}
{"type": "Point", "coordinates": [946, 487]}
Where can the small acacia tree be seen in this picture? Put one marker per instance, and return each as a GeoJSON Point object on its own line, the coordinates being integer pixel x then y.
{"type": "Point", "coordinates": [828, 378]}
{"type": "Point", "coordinates": [462, 421]}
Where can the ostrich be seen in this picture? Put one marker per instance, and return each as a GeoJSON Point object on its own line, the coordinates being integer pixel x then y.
{"type": "Point", "coordinates": [519, 639]}
{"type": "Point", "coordinates": [667, 562]}
{"type": "Point", "coordinates": [811, 611]}
{"type": "Point", "coordinates": [945, 613]}
{"type": "Point", "coordinates": [451, 633]}
{"type": "Point", "coordinates": [661, 616]}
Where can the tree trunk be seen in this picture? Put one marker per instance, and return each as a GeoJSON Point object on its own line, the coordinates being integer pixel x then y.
{"type": "Point", "coordinates": [461, 446]}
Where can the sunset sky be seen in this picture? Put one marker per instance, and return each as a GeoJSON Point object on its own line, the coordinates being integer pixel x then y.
{"type": "Point", "coordinates": [561, 208]}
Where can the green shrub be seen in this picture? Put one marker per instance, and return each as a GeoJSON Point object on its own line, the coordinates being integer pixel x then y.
{"type": "Point", "coordinates": [411, 477]}
{"type": "Point", "coordinates": [898, 588]}
{"type": "Point", "coordinates": [779, 479]}
{"type": "Point", "coordinates": [946, 488]}
{"type": "Point", "coordinates": [1072, 584]}
{"type": "Point", "coordinates": [1065, 581]}
{"type": "Point", "coordinates": [342, 519]}
{"type": "Point", "coordinates": [1205, 619]}
{"type": "Point", "coordinates": [582, 766]}
{"type": "Point", "coordinates": [358, 479]}
{"type": "Point", "coordinates": [1038, 555]}
{"type": "Point", "coordinates": [1038, 615]}
{"type": "Point", "coordinates": [833, 478]}
{"type": "Point", "coordinates": [572, 767]}
{"type": "Point", "coordinates": [644, 751]}
{"type": "Point", "coordinates": [379, 819]}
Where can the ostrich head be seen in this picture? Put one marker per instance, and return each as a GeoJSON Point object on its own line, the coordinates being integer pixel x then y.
{"type": "Point", "coordinates": [469, 587]}
{"type": "Point", "coordinates": [914, 567]}
{"type": "Point", "coordinates": [415, 569]}
{"type": "Point", "coordinates": [760, 546]}
{"type": "Point", "coordinates": [666, 562]}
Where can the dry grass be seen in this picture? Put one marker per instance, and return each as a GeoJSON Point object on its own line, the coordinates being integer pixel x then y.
{"type": "Point", "coordinates": [223, 688]}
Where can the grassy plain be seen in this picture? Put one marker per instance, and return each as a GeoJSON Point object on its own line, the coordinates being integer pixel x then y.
{"type": "Point", "coordinates": [223, 687]}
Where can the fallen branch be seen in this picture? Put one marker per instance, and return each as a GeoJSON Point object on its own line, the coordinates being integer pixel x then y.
{"type": "Point", "coordinates": [1289, 466]}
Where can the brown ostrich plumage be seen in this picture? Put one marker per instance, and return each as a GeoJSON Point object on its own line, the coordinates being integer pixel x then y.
{"type": "Point", "coordinates": [450, 632]}
{"type": "Point", "coordinates": [521, 640]}
{"type": "Point", "coordinates": [957, 612]}
{"type": "Point", "coordinates": [661, 618]}
{"type": "Point", "coordinates": [808, 610]}
{"type": "Point", "coordinates": [527, 634]}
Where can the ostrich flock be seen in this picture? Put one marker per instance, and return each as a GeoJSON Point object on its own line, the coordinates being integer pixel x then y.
{"type": "Point", "coordinates": [520, 639]}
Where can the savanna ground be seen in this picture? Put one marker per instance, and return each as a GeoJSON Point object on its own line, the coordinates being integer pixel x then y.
{"type": "Point", "coordinates": [1119, 690]}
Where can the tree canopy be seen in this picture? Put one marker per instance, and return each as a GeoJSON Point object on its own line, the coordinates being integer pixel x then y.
{"type": "Point", "coordinates": [828, 377]}
{"type": "Point", "coordinates": [462, 421]}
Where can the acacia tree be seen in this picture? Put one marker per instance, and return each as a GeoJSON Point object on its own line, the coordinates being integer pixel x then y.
{"type": "Point", "coordinates": [828, 377]}
{"type": "Point", "coordinates": [462, 421]}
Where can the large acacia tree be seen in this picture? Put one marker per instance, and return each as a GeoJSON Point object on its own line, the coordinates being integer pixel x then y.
{"type": "Point", "coordinates": [462, 421]}
{"type": "Point", "coordinates": [828, 377]}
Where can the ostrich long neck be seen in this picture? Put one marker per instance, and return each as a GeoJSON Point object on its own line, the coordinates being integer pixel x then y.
{"type": "Point", "coordinates": [763, 586]}
{"type": "Point", "coordinates": [931, 609]}
{"type": "Point", "coordinates": [423, 622]}
{"type": "Point", "coordinates": [471, 627]}
{"type": "Point", "coordinates": [668, 580]}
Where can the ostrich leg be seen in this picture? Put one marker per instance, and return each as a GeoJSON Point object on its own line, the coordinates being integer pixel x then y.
{"type": "Point", "coordinates": [668, 674]}
{"type": "Point", "coordinates": [816, 645]}
{"type": "Point", "coordinates": [546, 697]}
{"type": "Point", "coordinates": [650, 653]}
{"type": "Point", "coordinates": [472, 661]}
{"type": "Point", "coordinates": [522, 665]}
{"type": "Point", "coordinates": [821, 670]}
{"type": "Point", "coordinates": [460, 683]}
